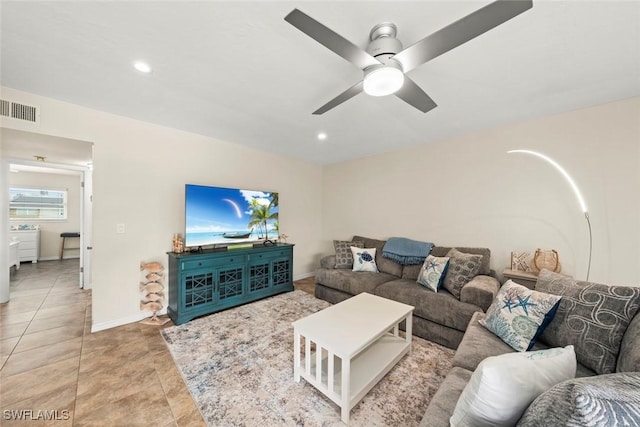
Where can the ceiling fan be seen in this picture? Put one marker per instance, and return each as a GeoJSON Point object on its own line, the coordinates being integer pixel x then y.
{"type": "Point", "coordinates": [385, 63]}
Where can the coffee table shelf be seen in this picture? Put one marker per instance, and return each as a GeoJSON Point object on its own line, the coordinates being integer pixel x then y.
{"type": "Point", "coordinates": [344, 350]}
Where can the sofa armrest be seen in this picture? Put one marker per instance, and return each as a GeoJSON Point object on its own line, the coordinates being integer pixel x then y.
{"type": "Point", "coordinates": [480, 291]}
{"type": "Point", "coordinates": [328, 261]}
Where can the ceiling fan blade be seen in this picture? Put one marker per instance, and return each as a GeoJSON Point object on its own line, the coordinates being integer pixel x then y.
{"type": "Point", "coordinates": [330, 39]}
{"type": "Point", "coordinates": [344, 96]}
{"type": "Point", "coordinates": [461, 31]}
{"type": "Point", "coordinates": [411, 93]}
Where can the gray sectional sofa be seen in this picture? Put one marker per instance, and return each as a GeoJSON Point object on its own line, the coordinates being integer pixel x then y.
{"type": "Point", "coordinates": [555, 407]}
{"type": "Point", "coordinates": [438, 317]}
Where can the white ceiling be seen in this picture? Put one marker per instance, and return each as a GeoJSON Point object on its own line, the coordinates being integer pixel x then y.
{"type": "Point", "coordinates": [238, 72]}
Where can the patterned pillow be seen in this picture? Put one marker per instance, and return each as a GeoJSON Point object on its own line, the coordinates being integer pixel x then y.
{"type": "Point", "coordinates": [591, 316]}
{"type": "Point", "coordinates": [604, 400]}
{"type": "Point", "coordinates": [502, 387]}
{"type": "Point", "coordinates": [344, 258]}
{"type": "Point", "coordinates": [462, 268]}
{"type": "Point", "coordinates": [519, 315]}
{"type": "Point", "coordinates": [433, 271]}
{"type": "Point", "coordinates": [364, 259]}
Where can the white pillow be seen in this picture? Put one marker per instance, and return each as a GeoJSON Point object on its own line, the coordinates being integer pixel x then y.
{"type": "Point", "coordinates": [502, 387]}
{"type": "Point", "coordinates": [364, 259]}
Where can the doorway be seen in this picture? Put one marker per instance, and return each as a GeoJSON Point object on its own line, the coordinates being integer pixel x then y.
{"type": "Point", "coordinates": [49, 159]}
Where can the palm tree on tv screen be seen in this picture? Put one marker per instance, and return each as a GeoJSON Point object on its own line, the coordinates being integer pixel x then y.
{"type": "Point", "coordinates": [260, 213]}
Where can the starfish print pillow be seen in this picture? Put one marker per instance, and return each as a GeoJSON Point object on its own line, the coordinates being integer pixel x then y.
{"type": "Point", "coordinates": [519, 315]}
{"type": "Point", "coordinates": [433, 272]}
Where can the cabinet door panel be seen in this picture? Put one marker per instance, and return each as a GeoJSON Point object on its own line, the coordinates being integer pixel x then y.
{"type": "Point", "coordinates": [282, 273]}
{"type": "Point", "coordinates": [230, 281]}
{"type": "Point", "coordinates": [259, 274]}
{"type": "Point", "coordinates": [199, 289]}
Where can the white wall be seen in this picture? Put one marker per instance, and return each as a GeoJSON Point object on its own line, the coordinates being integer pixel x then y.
{"type": "Point", "coordinates": [50, 230]}
{"type": "Point", "coordinates": [468, 191]}
{"type": "Point", "coordinates": [139, 173]}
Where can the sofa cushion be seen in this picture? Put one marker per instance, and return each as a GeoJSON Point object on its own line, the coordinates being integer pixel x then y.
{"type": "Point", "coordinates": [502, 387]}
{"type": "Point", "coordinates": [441, 307]}
{"type": "Point", "coordinates": [591, 316]}
{"type": "Point", "coordinates": [444, 401]}
{"type": "Point", "coordinates": [629, 358]}
{"type": "Point", "coordinates": [364, 259]}
{"type": "Point", "coordinates": [485, 252]}
{"type": "Point", "coordinates": [344, 258]}
{"type": "Point", "coordinates": [605, 400]}
{"type": "Point", "coordinates": [433, 271]}
{"type": "Point", "coordinates": [385, 265]}
{"type": "Point", "coordinates": [462, 268]}
{"type": "Point", "coordinates": [518, 315]}
{"type": "Point", "coordinates": [480, 291]}
{"type": "Point", "coordinates": [478, 343]}
{"type": "Point", "coordinates": [351, 282]}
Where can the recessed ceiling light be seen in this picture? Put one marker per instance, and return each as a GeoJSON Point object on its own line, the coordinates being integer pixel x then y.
{"type": "Point", "coordinates": [141, 66]}
{"type": "Point", "coordinates": [322, 136]}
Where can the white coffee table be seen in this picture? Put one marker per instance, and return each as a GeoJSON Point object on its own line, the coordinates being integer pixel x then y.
{"type": "Point", "coordinates": [355, 344]}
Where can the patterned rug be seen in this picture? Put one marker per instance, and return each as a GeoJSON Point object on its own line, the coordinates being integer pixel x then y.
{"type": "Point", "coordinates": [238, 366]}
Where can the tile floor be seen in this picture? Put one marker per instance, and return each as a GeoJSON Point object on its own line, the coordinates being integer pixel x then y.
{"type": "Point", "coordinates": [50, 360]}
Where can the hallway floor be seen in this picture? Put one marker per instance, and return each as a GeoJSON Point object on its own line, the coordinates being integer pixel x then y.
{"type": "Point", "coordinates": [51, 362]}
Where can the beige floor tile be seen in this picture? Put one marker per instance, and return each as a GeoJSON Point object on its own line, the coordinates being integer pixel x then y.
{"type": "Point", "coordinates": [194, 419]}
{"type": "Point", "coordinates": [95, 389]}
{"type": "Point", "coordinates": [123, 376]}
{"type": "Point", "coordinates": [16, 292]}
{"type": "Point", "coordinates": [61, 309]}
{"type": "Point", "coordinates": [56, 321]}
{"type": "Point", "coordinates": [41, 356]}
{"type": "Point", "coordinates": [103, 341]}
{"type": "Point", "coordinates": [34, 382]}
{"type": "Point", "coordinates": [20, 305]}
{"type": "Point", "coordinates": [66, 297]}
{"type": "Point", "coordinates": [59, 403]}
{"type": "Point", "coordinates": [180, 402]}
{"type": "Point", "coordinates": [49, 336]}
{"type": "Point", "coordinates": [7, 346]}
{"type": "Point", "coordinates": [13, 330]}
{"type": "Point", "coordinates": [13, 318]}
{"type": "Point", "coordinates": [146, 407]}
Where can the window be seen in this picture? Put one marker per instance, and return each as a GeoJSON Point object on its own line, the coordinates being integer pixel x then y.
{"type": "Point", "coordinates": [37, 204]}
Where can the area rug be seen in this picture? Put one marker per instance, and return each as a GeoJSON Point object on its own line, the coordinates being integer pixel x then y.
{"type": "Point", "coordinates": [238, 366]}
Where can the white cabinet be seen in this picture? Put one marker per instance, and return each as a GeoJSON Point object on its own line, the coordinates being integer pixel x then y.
{"type": "Point", "coordinates": [29, 244]}
{"type": "Point", "coordinates": [14, 259]}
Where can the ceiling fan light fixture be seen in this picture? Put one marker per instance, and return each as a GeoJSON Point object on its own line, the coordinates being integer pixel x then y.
{"type": "Point", "coordinates": [383, 80]}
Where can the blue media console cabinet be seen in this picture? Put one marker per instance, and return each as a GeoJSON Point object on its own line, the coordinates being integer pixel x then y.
{"type": "Point", "coordinates": [217, 279]}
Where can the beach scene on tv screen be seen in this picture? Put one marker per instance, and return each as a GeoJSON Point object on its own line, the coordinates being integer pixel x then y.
{"type": "Point", "coordinates": [216, 215]}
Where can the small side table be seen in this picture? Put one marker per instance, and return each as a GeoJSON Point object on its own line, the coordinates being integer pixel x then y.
{"type": "Point", "coordinates": [521, 277]}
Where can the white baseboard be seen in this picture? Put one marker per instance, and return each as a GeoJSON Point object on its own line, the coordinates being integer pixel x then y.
{"type": "Point", "coordinates": [304, 276]}
{"type": "Point", "coordinates": [139, 316]}
{"type": "Point", "coordinates": [55, 258]}
{"type": "Point", "coordinates": [123, 321]}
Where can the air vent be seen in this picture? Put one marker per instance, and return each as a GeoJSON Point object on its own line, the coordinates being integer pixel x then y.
{"type": "Point", "coordinates": [18, 111]}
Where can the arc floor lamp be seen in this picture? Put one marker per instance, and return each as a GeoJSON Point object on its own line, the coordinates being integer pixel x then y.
{"type": "Point", "coordinates": [574, 187]}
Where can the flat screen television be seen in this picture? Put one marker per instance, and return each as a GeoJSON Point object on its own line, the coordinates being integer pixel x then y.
{"type": "Point", "coordinates": [221, 216]}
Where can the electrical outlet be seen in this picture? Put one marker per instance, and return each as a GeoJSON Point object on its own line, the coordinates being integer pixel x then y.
{"type": "Point", "coordinates": [120, 228]}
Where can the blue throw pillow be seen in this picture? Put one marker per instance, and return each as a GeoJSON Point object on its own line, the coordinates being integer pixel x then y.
{"type": "Point", "coordinates": [433, 272]}
{"type": "Point", "coordinates": [519, 315]}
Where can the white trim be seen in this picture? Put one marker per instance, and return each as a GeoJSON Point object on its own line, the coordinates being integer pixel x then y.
{"type": "Point", "coordinates": [96, 327]}
{"type": "Point", "coordinates": [57, 258]}
{"type": "Point", "coordinates": [304, 276]}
